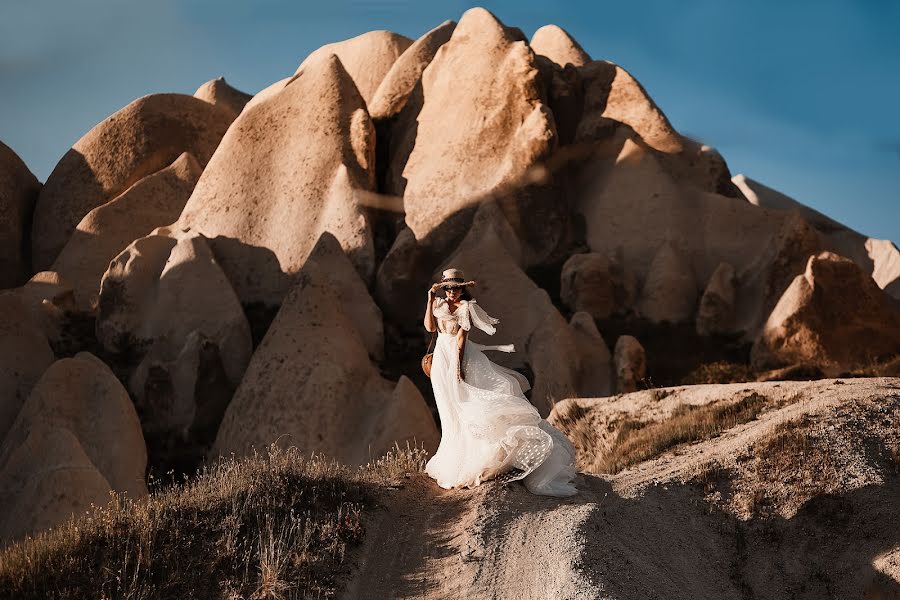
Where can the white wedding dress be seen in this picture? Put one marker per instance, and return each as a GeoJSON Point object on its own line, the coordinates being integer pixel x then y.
{"type": "Point", "coordinates": [488, 427]}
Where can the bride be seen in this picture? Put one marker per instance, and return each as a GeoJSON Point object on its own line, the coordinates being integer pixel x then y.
{"type": "Point", "coordinates": [489, 429]}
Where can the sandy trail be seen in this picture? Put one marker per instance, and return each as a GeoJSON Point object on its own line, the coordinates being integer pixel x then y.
{"type": "Point", "coordinates": [642, 534]}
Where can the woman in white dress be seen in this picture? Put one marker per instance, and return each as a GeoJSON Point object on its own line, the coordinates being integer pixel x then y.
{"type": "Point", "coordinates": [489, 429]}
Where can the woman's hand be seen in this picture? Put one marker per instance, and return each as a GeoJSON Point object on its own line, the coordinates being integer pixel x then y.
{"type": "Point", "coordinates": [434, 288]}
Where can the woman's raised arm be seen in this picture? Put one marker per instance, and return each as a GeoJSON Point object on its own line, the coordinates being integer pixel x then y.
{"type": "Point", "coordinates": [429, 321]}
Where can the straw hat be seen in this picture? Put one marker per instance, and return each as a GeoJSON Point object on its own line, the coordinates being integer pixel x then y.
{"type": "Point", "coordinates": [454, 278]}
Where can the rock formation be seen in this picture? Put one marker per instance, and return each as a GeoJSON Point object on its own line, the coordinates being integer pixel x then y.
{"type": "Point", "coordinates": [595, 377]}
{"type": "Point", "coordinates": [367, 58]}
{"type": "Point", "coordinates": [24, 356]}
{"type": "Point", "coordinates": [48, 298]}
{"type": "Point", "coordinates": [613, 95]}
{"type": "Point", "coordinates": [634, 207]}
{"type": "Point", "coordinates": [670, 288]}
{"type": "Point", "coordinates": [168, 301]}
{"type": "Point", "coordinates": [290, 167]}
{"type": "Point", "coordinates": [556, 44]}
{"type": "Point", "coordinates": [880, 258]}
{"type": "Point", "coordinates": [140, 139]}
{"type": "Point", "coordinates": [716, 312]}
{"type": "Point", "coordinates": [335, 197]}
{"type": "Point", "coordinates": [154, 201]}
{"type": "Point", "coordinates": [45, 481]}
{"type": "Point", "coordinates": [598, 285]}
{"type": "Point", "coordinates": [218, 93]}
{"type": "Point", "coordinates": [586, 285]}
{"type": "Point", "coordinates": [311, 382]}
{"type": "Point", "coordinates": [483, 84]}
{"type": "Point", "coordinates": [630, 363]}
{"type": "Point", "coordinates": [19, 189]}
{"type": "Point", "coordinates": [76, 438]}
{"type": "Point", "coordinates": [833, 316]}
{"type": "Point", "coordinates": [406, 72]}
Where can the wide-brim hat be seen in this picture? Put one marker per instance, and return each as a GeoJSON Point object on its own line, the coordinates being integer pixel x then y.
{"type": "Point", "coordinates": [454, 278]}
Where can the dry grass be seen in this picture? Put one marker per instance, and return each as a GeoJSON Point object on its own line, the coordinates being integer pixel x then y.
{"type": "Point", "coordinates": [273, 526]}
{"type": "Point", "coordinates": [791, 466]}
{"type": "Point", "coordinates": [885, 367]}
{"type": "Point", "coordinates": [721, 371]}
{"type": "Point", "coordinates": [637, 441]}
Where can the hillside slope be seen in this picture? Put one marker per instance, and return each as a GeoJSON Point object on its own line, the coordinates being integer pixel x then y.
{"type": "Point", "coordinates": [677, 526]}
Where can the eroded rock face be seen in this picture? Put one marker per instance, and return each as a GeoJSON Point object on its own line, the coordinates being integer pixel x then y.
{"type": "Point", "coordinates": [352, 294]}
{"type": "Point", "coordinates": [483, 84]}
{"type": "Point", "coordinates": [46, 480]}
{"type": "Point", "coordinates": [595, 377]}
{"type": "Point", "coordinates": [82, 397]}
{"type": "Point", "coordinates": [311, 382]}
{"type": "Point", "coordinates": [367, 58]}
{"type": "Point", "coordinates": [833, 317]}
{"type": "Point", "coordinates": [886, 265]}
{"type": "Point", "coordinates": [879, 258]}
{"type": "Point", "coordinates": [406, 72]}
{"type": "Point", "coordinates": [218, 93]}
{"type": "Point", "coordinates": [633, 206]}
{"type": "Point", "coordinates": [402, 279]}
{"type": "Point", "coordinates": [19, 190]}
{"type": "Point", "coordinates": [551, 350]}
{"type": "Point", "coordinates": [630, 364]}
{"type": "Point", "coordinates": [717, 305]}
{"type": "Point", "coordinates": [555, 43]}
{"type": "Point", "coordinates": [612, 94]}
{"type": "Point", "coordinates": [48, 298]}
{"type": "Point", "coordinates": [154, 201]}
{"type": "Point", "coordinates": [669, 293]}
{"type": "Point", "coordinates": [24, 356]}
{"type": "Point", "coordinates": [76, 438]}
{"type": "Point", "coordinates": [168, 301]}
{"type": "Point", "coordinates": [585, 285]}
{"type": "Point", "coordinates": [140, 139]}
{"type": "Point", "coordinates": [292, 165]}
{"type": "Point", "coordinates": [598, 285]}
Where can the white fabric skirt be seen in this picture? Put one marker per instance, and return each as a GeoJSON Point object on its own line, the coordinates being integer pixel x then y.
{"type": "Point", "coordinates": [489, 429]}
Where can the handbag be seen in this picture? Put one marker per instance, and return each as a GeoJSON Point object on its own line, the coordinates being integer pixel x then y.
{"type": "Point", "coordinates": [426, 360]}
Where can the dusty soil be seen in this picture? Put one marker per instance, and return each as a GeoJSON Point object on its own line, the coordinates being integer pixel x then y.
{"type": "Point", "coordinates": [689, 524]}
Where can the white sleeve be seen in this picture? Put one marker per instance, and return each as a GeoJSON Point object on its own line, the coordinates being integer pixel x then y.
{"type": "Point", "coordinates": [481, 319]}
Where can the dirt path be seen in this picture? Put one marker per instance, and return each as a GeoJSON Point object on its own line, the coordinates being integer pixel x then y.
{"type": "Point", "coordinates": [415, 544]}
{"type": "Point", "coordinates": [493, 541]}
{"type": "Point", "coordinates": [642, 534]}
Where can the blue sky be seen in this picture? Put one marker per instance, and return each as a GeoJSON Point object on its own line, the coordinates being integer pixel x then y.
{"type": "Point", "coordinates": [803, 96]}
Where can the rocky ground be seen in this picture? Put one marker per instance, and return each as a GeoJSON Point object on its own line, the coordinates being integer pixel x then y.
{"type": "Point", "coordinates": [737, 516]}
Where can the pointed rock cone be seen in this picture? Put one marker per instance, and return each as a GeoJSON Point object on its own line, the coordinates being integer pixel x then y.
{"type": "Point", "coordinates": [556, 44]}
{"type": "Point", "coordinates": [291, 166]}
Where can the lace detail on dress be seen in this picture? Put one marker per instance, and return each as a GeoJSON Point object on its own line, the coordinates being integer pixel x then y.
{"type": "Point", "coordinates": [467, 313]}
